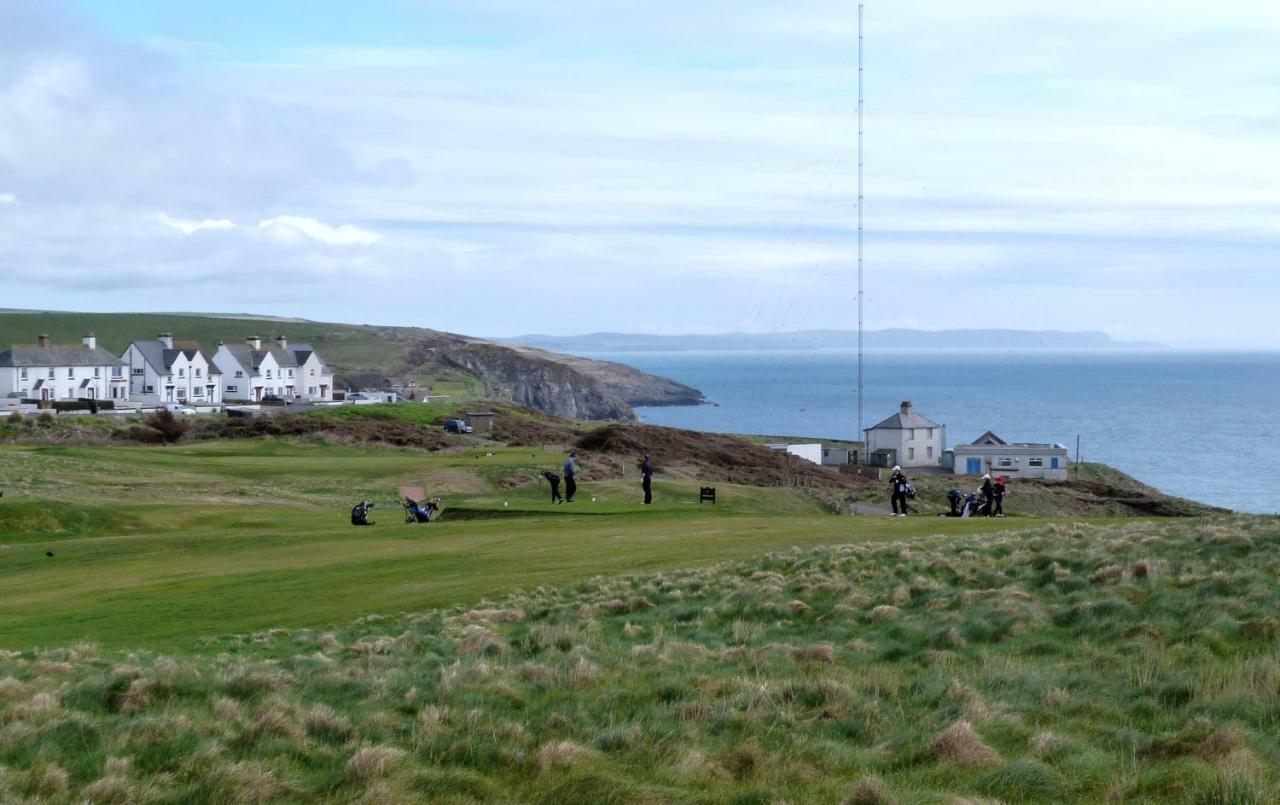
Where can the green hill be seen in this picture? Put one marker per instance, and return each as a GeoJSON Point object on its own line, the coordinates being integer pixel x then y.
{"type": "Point", "coordinates": [362, 355]}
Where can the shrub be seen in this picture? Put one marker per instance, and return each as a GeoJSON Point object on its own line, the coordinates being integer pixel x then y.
{"type": "Point", "coordinates": [167, 425]}
{"type": "Point", "coordinates": [17, 419]}
{"type": "Point", "coordinates": [45, 418]}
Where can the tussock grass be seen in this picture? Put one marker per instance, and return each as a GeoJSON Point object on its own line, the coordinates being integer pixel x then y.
{"type": "Point", "coordinates": [1067, 663]}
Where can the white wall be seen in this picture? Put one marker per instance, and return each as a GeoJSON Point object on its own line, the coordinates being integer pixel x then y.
{"type": "Point", "coordinates": [64, 383]}
{"type": "Point", "coordinates": [927, 449]}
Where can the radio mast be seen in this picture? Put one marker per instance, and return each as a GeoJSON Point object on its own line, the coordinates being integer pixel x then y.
{"type": "Point", "coordinates": [861, 433]}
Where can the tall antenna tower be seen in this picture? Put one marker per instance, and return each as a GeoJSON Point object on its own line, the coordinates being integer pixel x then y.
{"type": "Point", "coordinates": [861, 433]}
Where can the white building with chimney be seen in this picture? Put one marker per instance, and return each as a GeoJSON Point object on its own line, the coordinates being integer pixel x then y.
{"type": "Point", "coordinates": [253, 372]}
{"type": "Point", "coordinates": [162, 372]}
{"type": "Point", "coordinates": [906, 439]}
{"type": "Point", "coordinates": [48, 371]}
{"type": "Point", "coordinates": [313, 379]}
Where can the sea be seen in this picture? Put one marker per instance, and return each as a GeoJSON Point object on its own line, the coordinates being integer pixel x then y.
{"type": "Point", "coordinates": [1204, 426]}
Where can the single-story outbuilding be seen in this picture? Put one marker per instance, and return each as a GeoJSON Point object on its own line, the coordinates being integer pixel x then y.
{"type": "Point", "coordinates": [991, 454]}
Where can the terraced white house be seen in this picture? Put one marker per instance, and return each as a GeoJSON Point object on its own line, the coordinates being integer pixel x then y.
{"type": "Point", "coordinates": [48, 371]}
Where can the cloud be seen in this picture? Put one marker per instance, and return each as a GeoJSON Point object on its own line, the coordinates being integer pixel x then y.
{"type": "Point", "coordinates": [189, 227]}
{"type": "Point", "coordinates": [8, 198]}
{"type": "Point", "coordinates": [286, 229]}
{"type": "Point", "coordinates": [293, 227]}
{"type": "Point", "coordinates": [693, 166]}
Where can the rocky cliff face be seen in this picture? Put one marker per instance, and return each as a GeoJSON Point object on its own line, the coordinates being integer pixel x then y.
{"type": "Point", "coordinates": [562, 385]}
{"type": "Point", "coordinates": [537, 382]}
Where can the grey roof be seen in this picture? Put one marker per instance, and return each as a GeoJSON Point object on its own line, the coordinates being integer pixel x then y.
{"type": "Point", "coordinates": [301, 352]}
{"type": "Point", "coordinates": [251, 358]}
{"type": "Point", "coordinates": [901, 421]}
{"type": "Point", "coordinates": [57, 355]}
{"type": "Point", "coordinates": [161, 357]}
{"type": "Point", "coordinates": [989, 438]}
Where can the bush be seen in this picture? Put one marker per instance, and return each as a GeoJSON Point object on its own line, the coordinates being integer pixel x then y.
{"type": "Point", "coordinates": [45, 418]}
{"type": "Point", "coordinates": [167, 425]}
{"type": "Point", "coordinates": [16, 418]}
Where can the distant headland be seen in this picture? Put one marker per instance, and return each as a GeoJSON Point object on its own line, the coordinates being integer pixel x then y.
{"type": "Point", "coordinates": [832, 339]}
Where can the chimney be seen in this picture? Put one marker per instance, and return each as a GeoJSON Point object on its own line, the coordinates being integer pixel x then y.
{"type": "Point", "coordinates": [254, 341]}
{"type": "Point", "coordinates": [44, 340]}
{"type": "Point", "coordinates": [906, 407]}
{"type": "Point", "coordinates": [282, 342]}
{"type": "Point", "coordinates": [166, 339]}
{"type": "Point", "coordinates": [90, 341]}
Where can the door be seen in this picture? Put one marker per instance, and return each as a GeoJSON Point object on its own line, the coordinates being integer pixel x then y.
{"type": "Point", "coordinates": [1053, 463]}
{"type": "Point", "coordinates": [974, 466]}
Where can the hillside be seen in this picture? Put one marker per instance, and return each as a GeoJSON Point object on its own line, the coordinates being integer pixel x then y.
{"type": "Point", "coordinates": [1056, 664]}
{"type": "Point", "coordinates": [460, 366]}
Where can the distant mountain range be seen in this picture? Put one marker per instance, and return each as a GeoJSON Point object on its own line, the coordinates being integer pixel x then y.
{"type": "Point", "coordinates": [830, 339]}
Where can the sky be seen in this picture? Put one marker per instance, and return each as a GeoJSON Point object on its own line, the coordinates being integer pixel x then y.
{"type": "Point", "coordinates": [499, 167]}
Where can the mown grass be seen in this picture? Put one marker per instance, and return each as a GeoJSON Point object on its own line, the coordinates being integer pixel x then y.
{"type": "Point", "coordinates": [160, 547]}
{"type": "Point", "coordinates": [1066, 663]}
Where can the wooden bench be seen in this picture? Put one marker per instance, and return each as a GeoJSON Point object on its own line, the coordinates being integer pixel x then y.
{"type": "Point", "coordinates": [706, 494]}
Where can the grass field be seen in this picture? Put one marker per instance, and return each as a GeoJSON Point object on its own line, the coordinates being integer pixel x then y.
{"type": "Point", "coordinates": [200, 623]}
{"type": "Point", "coordinates": [160, 547]}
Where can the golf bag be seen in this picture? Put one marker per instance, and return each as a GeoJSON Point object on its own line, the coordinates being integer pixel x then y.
{"type": "Point", "coordinates": [360, 513]}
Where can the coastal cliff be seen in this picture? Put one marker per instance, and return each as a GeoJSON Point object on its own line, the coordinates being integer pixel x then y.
{"type": "Point", "coordinates": [561, 385]}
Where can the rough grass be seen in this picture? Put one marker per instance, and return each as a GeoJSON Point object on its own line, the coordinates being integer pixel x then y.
{"type": "Point", "coordinates": [1006, 675]}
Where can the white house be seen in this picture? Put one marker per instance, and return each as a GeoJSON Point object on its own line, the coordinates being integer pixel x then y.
{"type": "Point", "coordinates": [159, 372]}
{"type": "Point", "coordinates": [906, 439]}
{"type": "Point", "coordinates": [991, 454]}
{"type": "Point", "coordinates": [250, 372]}
{"type": "Point", "coordinates": [47, 371]}
{"type": "Point", "coordinates": [313, 380]}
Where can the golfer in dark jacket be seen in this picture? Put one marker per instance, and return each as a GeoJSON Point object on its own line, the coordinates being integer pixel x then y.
{"type": "Point", "coordinates": [646, 478]}
{"type": "Point", "coordinates": [554, 480]}
{"type": "Point", "coordinates": [898, 492]}
{"type": "Point", "coordinates": [988, 495]}
{"type": "Point", "coordinates": [997, 497]}
{"type": "Point", "coordinates": [570, 485]}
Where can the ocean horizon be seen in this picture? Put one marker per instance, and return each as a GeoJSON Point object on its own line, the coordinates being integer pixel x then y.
{"type": "Point", "coordinates": [1196, 424]}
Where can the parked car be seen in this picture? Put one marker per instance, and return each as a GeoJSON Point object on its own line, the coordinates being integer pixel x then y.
{"type": "Point", "coordinates": [361, 395]}
{"type": "Point", "coordinates": [179, 408]}
{"type": "Point", "coordinates": [456, 426]}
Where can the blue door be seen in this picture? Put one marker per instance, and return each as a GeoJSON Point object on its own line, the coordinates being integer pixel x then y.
{"type": "Point", "coordinates": [975, 466]}
{"type": "Point", "coordinates": [1053, 463]}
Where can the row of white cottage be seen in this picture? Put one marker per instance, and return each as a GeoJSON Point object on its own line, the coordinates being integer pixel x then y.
{"type": "Point", "coordinates": [161, 371]}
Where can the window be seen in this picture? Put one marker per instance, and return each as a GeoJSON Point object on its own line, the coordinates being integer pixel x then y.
{"type": "Point", "coordinates": [290, 373]}
{"type": "Point", "coordinates": [139, 372]}
{"type": "Point", "coordinates": [311, 390]}
{"type": "Point", "coordinates": [930, 433]}
{"type": "Point", "coordinates": [1036, 462]}
{"type": "Point", "coordinates": [148, 389]}
{"type": "Point", "coordinates": [182, 373]}
{"type": "Point", "coordinates": [97, 372]}
{"type": "Point", "coordinates": [71, 373]}
{"type": "Point", "coordinates": [24, 374]}
{"type": "Point", "coordinates": [239, 374]}
{"type": "Point", "coordinates": [313, 372]}
{"type": "Point", "coordinates": [117, 371]}
{"type": "Point", "coordinates": [197, 371]}
{"type": "Point", "coordinates": [911, 453]}
{"type": "Point", "coordinates": [232, 389]}
{"type": "Point", "coordinates": [51, 374]}
{"type": "Point", "coordinates": [268, 374]}
{"type": "Point", "coordinates": [1005, 463]}
{"type": "Point", "coordinates": [929, 451]}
